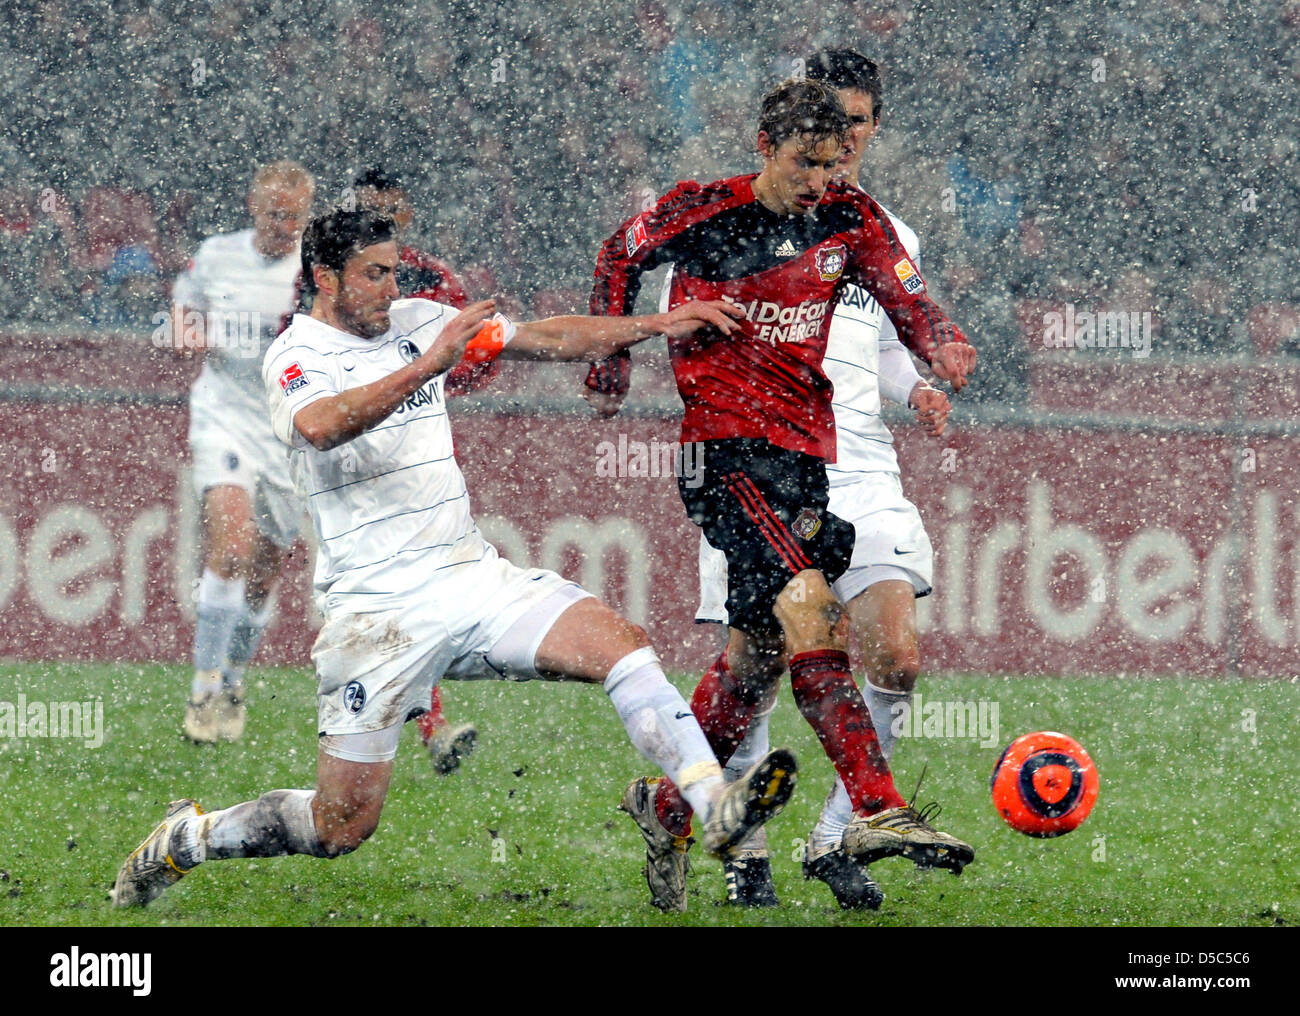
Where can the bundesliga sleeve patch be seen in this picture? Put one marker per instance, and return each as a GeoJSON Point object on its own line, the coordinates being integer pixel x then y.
{"type": "Point", "coordinates": [292, 378]}
{"type": "Point", "coordinates": [636, 236]}
{"type": "Point", "coordinates": [909, 277]}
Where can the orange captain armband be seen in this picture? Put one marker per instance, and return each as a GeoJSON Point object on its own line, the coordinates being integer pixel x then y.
{"type": "Point", "coordinates": [487, 343]}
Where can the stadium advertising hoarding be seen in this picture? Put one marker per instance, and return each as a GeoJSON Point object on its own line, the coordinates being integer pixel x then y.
{"type": "Point", "coordinates": [1057, 550]}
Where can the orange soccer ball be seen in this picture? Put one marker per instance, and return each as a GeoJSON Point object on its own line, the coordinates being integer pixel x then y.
{"type": "Point", "coordinates": [1044, 784]}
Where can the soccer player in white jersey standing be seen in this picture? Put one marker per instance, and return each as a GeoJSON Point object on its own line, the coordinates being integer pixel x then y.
{"type": "Point", "coordinates": [892, 559]}
{"type": "Point", "coordinates": [410, 590]}
{"type": "Point", "coordinates": [229, 304]}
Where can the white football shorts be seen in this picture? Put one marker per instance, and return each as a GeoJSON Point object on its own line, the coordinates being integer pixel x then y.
{"type": "Point", "coordinates": [890, 542]}
{"type": "Point", "coordinates": [237, 448]}
{"type": "Point", "coordinates": [375, 671]}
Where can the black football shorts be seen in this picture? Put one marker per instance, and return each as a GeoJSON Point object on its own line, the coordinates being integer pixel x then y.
{"type": "Point", "coordinates": [764, 507]}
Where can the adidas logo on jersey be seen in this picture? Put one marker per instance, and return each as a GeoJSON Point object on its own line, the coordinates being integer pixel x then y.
{"type": "Point", "coordinates": [786, 250]}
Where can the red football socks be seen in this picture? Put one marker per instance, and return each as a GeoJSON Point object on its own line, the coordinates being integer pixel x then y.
{"type": "Point", "coordinates": [430, 722]}
{"type": "Point", "coordinates": [724, 710]}
{"type": "Point", "coordinates": [831, 703]}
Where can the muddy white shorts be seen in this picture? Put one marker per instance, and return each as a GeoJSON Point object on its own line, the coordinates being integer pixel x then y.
{"type": "Point", "coordinates": [376, 670]}
{"type": "Point", "coordinates": [235, 448]}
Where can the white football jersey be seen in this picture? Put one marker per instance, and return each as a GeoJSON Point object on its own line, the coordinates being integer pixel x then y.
{"type": "Point", "coordinates": [390, 507]}
{"type": "Point", "coordinates": [243, 297]}
{"type": "Point", "coordinates": [860, 331]}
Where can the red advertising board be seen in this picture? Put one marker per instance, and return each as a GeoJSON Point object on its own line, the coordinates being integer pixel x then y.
{"type": "Point", "coordinates": [1057, 551]}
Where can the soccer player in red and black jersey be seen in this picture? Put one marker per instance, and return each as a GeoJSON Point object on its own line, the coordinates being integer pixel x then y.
{"type": "Point", "coordinates": [757, 432]}
{"type": "Point", "coordinates": [420, 274]}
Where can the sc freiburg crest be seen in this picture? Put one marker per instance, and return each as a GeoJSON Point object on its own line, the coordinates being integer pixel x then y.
{"type": "Point", "coordinates": [354, 697]}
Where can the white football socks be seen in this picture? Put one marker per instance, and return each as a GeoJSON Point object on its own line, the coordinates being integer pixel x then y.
{"type": "Point", "coordinates": [751, 751]}
{"type": "Point", "coordinates": [279, 822]}
{"type": "Point", "coordinates": [663, 729]}
{"type": "Point", "coordinates": [758, 739]}
{"type": "Point", "coordinates": [885, 704]}
{"type": "Point", "coordinates": [244, 640]}
{"type": "Point", "coordinates": [220, 607]}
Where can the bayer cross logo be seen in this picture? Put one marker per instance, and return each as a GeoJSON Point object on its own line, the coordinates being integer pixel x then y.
{"type": "Point", "coordinates": [409, 350]}
{"type": "Point", "coordinates": [806, 525]}
{"type": "Point", "coordinates": [354, 697]}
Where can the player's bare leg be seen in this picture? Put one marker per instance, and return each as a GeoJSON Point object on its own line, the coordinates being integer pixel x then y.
{"type": "Point", "coordinates": [229, 537]}
{"type": "Point", "coordinates": [724, 702]}
{"type": "Point", "coordinates": [883, 620]}
{"type": "Point", "coordinates": [883, 617]}
{"type": "Point", "coordinates": [815, 626]}
{"type": "Point", "coordinates": [590, 642]}
{"type": "Point", "coordinates": [883, 824]}
{"type": "Point", "coordinates": [335, 818]}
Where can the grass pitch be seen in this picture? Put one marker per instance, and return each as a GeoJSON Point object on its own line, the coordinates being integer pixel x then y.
{"type": "Point", "coordinates": [1197, 822]}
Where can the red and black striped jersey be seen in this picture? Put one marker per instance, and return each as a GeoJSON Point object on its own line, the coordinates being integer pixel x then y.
{"type": "Point", "coordinates": [786, 272]}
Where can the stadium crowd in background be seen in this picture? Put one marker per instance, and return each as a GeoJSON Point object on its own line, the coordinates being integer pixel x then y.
{"type": "Point", "coordinates": [553, 122]}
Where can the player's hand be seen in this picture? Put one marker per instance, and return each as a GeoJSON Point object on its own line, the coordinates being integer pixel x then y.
{"type": "Point", "coordinates": [605, 404]}
{"type": "Point", "coordinates": [932, 407]}
{"type": "Point", "coordinates": [695, 315]}
{"type": "Point", "coordinates": [954, 362]}
{"type": "Point", "coordinates": [450, 345]}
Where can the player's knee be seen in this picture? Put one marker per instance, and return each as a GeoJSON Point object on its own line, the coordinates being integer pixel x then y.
{"type": "Point", "coordinates": [343, 824]}
{"type": "Point", "coordinates": [757, 671]}
{"type": "Point", "coordinates": [895, 667]}
{"type": "Point", "coordinates": [811, 616]}
{"type": "Point", "coordinates": [754, 662]}
{"type": "Point", "coordinates": [344, 838]}
{"type": "Point", "coordinates": [897, 673]}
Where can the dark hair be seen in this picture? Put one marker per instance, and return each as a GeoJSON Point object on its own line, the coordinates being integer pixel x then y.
{"type": "Point", "coordinates": [847, 68]}
{"type": "Point", "coordinates": [331, 239]}
{"type": "Point", "coordinates": [379, 179]}
{"type": "Point", "coordinates": [808, 110]}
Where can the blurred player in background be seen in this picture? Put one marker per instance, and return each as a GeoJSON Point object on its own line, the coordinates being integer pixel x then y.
{"type": "Point", "coordinates": [759, 431]}
{"type": "Point", "coordinates": [892, 561]}
{"type": "Point", "coordinates": [422, 275]}
{"type": "Point", "coordinates": [410, 589]}
{"type": "Point", "coordinates": [229, 303]}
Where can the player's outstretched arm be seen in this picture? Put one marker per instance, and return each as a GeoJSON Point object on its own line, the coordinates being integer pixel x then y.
{"type": "Point", "coordinates": [594, 338]}
{"type": "Point", "coordinates": [330, 422]}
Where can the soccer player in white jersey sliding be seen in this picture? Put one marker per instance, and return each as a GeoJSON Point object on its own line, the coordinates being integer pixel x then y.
{"type": "Point", "coordinates": [228, 304]}
{"type": "Point", "coordinates": [892, 559]}
{"type": "Point", "coordinates": [410, 590]}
